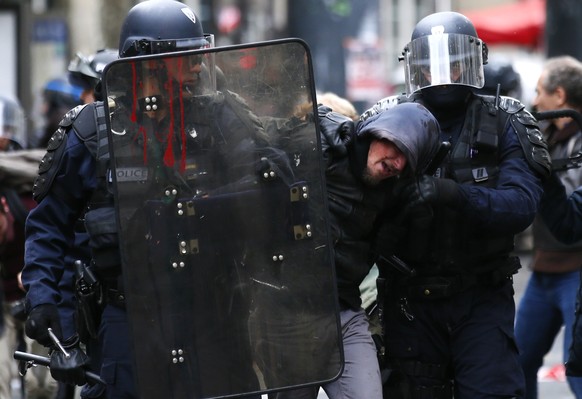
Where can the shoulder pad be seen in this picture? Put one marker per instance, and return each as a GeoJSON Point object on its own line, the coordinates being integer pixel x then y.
{"type": "Point", "coordinates": [383, 104]}
{"type": "Point", "coordinates": [532, 141]}
{"type": "Point", "coordinates": [49, 163]}
{"type": "Point", "coordinates": [510, 104]}
{"type": "Point", "coordinates": [84, 121]}
{"type": "Point", "coordinates": [71, 115]}
{"type": "Point", "coordinates": [81, 121]}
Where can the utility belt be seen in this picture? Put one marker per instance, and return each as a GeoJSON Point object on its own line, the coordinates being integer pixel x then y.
{"type": "Point", "coordinates": [113, 293]}
{"type": "Point", "coordinates": [444, 286]}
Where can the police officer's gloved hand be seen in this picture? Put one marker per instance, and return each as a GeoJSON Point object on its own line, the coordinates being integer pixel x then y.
{"type": "Point", "coordinates": [554, 192]}
{"type": "Point", "coordinates": [553, 184]}
{"type": "Point", "coordinates": [277, 166]}
{"type": "Point", "coordinates": [388, 238]}
{"type": "Point", "coordinates": [336, 128]}
{"type": "Point", "coordinates": [430, 190]}
{"type": "Point", "coordinates": [70, 370]}
{"type": "Point", "coordinates": [40, 319]}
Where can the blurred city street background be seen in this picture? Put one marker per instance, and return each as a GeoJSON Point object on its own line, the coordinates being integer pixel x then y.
{"type": "Point", "coordinates": [355, 44]}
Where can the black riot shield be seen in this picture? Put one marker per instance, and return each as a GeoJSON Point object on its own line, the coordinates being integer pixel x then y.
{"type": "Point", "coordinates": [221, 204]}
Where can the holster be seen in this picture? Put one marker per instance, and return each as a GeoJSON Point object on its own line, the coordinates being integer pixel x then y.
{"type": "Point", "coordinates": [89, 302]}
{"type": "Point", "coordinates": [378, 336]}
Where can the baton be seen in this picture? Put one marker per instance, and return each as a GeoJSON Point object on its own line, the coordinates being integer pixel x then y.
{"type": "Point", "coordinates": [439, 157]}
{"type": "Point", "coordinates": [45, 361]}
{"type": "Point", "coordinates": [398, 264]}
{"type": "Point", "coordinates": [57, 342]}
{"type": "Point", "coordinates": [574, 161]}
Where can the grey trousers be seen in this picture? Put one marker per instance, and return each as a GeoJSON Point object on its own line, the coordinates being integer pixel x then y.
{"type": "Point", "coordinates": [361, 374]}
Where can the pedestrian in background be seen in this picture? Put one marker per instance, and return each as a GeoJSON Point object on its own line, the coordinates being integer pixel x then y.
{"type": "Point", "coordinates": [549, 300]}
{"type": "Point", "coordinates": [16, 194]}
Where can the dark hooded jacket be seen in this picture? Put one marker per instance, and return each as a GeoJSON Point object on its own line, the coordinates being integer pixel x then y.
{"type": "Point", "coordinates": [355, 207]}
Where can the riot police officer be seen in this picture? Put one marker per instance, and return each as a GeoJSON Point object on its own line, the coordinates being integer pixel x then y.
{"type": "Point", "coordinates": [73, 182]}
{"type": "Point", "coordinates": [85, 72]}
{"type": "Point", "coordinates": [57, 97]}
{"type": "Point", "coordinates": [449, 319]}
{"type": "Point", "coordinates": [502, 74]}
{"type": "Point", "coordinates": [16, 200]}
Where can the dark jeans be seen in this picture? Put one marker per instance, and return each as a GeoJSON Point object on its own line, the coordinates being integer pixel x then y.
{"type": "Point", "coordinates": [548, 303]}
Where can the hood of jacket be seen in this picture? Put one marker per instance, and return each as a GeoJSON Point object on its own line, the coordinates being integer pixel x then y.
{"type": "Point", "coordinates": [411, 127]}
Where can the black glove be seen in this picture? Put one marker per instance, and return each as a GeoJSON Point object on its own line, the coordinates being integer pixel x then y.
{"type": "Point", "coordinates": [38, 322]}
{"type": "Point", "coordinates": [553, 184]}
{"type": "Point", "coordinates": [388, 238]}
{"type": "Point", "coordinates": [337, 129]}
{"type": "Point", "coordinates": [70, 370]}
{"type": "Point", "coordinates": [275, 166]}
{"type": "Point", "coordinates": [428, 190]}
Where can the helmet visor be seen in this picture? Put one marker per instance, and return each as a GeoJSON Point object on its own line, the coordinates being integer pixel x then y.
{"type": "Point", "coordinates": [443, 59]}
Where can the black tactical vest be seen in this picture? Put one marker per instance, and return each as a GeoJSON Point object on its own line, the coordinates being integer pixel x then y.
{"type": "Point", "coordinates": [445, 242]}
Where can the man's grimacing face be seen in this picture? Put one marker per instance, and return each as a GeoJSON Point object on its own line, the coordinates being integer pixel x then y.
{"type": "Point", "coordinates": [384, 160]}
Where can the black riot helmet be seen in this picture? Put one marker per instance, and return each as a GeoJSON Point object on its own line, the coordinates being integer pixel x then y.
{"type": "Point", "coordinates": [59, 94]}
{"type": "Point", "coordinates": [501, 73]}
{"type": "Point", "coordinates": [85, 71]}
{"type": "Point", "coordinates": [161, 26]}
{"type": "Point", "coordinates": [444, 51]}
